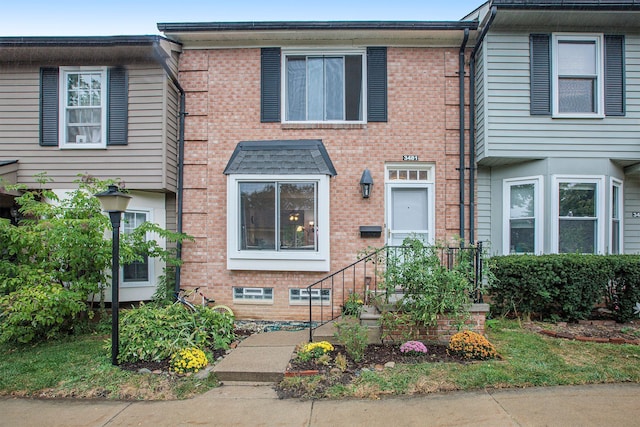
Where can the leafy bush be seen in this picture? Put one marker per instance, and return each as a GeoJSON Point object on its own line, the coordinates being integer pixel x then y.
{"type": "Point", "coordinates": [471, 345]}
{"type": "Point", "coordinates": [353, 305]}
{"type": "Point", "coordinates": [60, 243]}
{"type": "Point", "coordinates": [354, 337]}
{"type": "Point", "coordinates": [188, 360]}
{"type": "Point", "coordinates": [39, 312]}
{"type": "Point", "coordinates": [565, 286]}
{"type": "Point", "coordinates": [430, 288]}
{"type": "Point", "coordinates": [154, 333]}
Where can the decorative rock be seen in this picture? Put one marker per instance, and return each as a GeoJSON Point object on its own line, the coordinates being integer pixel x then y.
{"type": "Point", "coordinates": [157, 371]}
{"type": "Point", "coordinates": [204, 374]}
{"type": "Point", "coordinates": [390, 365]}
{"type": "Point", "coordinates": [144, 371]}
{"type": "Point", "coordinates": [379, 368]}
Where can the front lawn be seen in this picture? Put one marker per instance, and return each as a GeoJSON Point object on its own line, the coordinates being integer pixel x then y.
{"type": "Point", "coordinates": [529, 360]}
{"type": "Point", "coordinates": [80, 366]}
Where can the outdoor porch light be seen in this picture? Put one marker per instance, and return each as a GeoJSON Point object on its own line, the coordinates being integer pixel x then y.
{"type": "Point", "coordinates": [114, 202]}
{"type": "Point", "coordinates": [366, 182]}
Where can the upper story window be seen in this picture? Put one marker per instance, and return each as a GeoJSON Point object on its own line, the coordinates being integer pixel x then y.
{"type": "Point", "coordinates": [83, 114]}
{"type": "Point", "coordinates": [578, 75]}
{"type": "Point", "coordinates": [324, 87]}
{"type": "Point", "coordinates": [83, 107]}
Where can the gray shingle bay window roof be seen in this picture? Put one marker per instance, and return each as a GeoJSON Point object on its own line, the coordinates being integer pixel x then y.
{"type": "Point", "coordinates": [281, 157]}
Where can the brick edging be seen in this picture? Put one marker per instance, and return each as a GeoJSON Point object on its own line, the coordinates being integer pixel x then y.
{"type": "Point", "coordinates": [568, 336]}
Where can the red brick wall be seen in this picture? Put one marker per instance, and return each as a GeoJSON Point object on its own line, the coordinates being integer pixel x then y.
{"type": "Point", "coordinates": [223, 101]}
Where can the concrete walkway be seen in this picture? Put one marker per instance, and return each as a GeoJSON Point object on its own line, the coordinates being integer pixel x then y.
{"type": "Point", "coordinates": [257, 405]}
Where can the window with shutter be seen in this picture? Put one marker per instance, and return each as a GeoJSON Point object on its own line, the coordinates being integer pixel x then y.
{"type": "Point", "coordinates": [577, 75]}
{"type": "Point", "coordinates": [83, 107]}
{"type": "Point", "coordinates": [323, 85]}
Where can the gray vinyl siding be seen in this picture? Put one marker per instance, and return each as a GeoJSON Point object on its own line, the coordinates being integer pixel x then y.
{"type": "Point", "coordinates": [171, 134]}
{"type": "Point", "coordinates": [512, 132]}
{"type": "Point", "coordinates": [480, 89]}
{"type": "Point", "coordinates": [141, 164]}
{"type": "Point", "coordinates": [631, 226]}
{"type": "Point", "coordinates": [484, 206]}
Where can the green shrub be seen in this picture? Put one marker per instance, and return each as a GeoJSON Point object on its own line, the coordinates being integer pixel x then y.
{"type": "Point", "coordinates": [430, 288]}
{"type": "Point", "coordinates": [565, 286]}
{"type": "Point", "coordinates": [154, 333]}
{"type": "Point", "coordinates": [354, 337]}
{"type": "Point", "coordinates": [39, 312]}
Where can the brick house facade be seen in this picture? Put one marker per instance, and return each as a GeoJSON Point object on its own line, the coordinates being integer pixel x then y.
{"type": "Point", "coordinates": [417, 144]}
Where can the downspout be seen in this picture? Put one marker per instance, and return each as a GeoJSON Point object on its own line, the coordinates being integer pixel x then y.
{"type": "Point", "coordinates": [472, 126]}
{"type": "Point", "coordinates": [461, 167]}
{"type": "Point", "coordinates": [180, 184]}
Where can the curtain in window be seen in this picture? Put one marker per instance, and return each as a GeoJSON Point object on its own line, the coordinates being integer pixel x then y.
{"type": "Point", "coordinates": [334, 92]}
{"type": "Point", "coordinates": [296, 88]}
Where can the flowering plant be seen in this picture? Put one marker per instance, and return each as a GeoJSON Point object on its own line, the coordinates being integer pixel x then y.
{"type": "Point", "coordinates": [472, 345]}
{"type": "Point", "coordinates": [188, 360]}
{"type": "Point", "coordinates": [353, 305]}
{"type": "Point", "coordinates": [413, 347]}
{"type": "Point", "coordinates": [314, 350]}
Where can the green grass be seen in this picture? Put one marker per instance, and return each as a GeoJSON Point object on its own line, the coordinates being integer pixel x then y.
{"type": "Point", "coordinates": [529, 360]}
{"type": "Point", "coordinates": [80, 366]}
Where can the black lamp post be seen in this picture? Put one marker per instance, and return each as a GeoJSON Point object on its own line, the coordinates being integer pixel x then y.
{"type": "Point", "coordinates": [114, 202]}
{"type": "Point", "coordinates": [366, 182]}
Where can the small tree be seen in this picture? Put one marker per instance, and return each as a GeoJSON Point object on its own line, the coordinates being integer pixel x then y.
{"type": "Point", "coordinates": [60, 246]}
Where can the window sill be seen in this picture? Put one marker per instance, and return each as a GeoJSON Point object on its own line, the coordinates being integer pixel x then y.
{"type": "Point", "coordinates": [283, 264]}
{"type": "Point", "coordinates": [324, 125]}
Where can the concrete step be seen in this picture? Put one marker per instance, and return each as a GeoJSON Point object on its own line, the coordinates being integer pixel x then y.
{"type": "Point", "coordinates": [261, 357]}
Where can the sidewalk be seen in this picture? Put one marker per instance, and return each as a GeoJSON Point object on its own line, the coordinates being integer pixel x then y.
{"type": "Point", "coordinates": [257, 405]}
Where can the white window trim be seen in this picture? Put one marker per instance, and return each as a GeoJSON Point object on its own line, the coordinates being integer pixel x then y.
{"type": "Point", "coordinates": [600, 208]}
{"type": "Point", "coordinates": [62, 109]}
{"type": "Point", "coordinates": [617, 183]}
{"type": "Point", "coordinates": [151, 263]}
{"type": "Point", "coordinates": [278, 260]}
{"type": "Point", "coordinates": [598, 38]}
{"type": "Point", "coordinates": [319, 52]}
{"type": "Point", "coordinates": [538, 182]}
{"type": "Point", "coordinates": [306, 301]}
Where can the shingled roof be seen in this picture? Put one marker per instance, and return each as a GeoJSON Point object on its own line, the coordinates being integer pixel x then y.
{"type": "Point", "coordinates": [281, 157]}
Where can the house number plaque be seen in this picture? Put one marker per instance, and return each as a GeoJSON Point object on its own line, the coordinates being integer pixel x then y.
{"type": "Point", "coordinates": [635, 214]}
{"type": "Point", "coordinates": [410, 158]}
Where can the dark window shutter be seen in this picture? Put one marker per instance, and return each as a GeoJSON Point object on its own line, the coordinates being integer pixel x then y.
{"type": "Point", "coordinates": [377, 84]}
{"type": "Point", "coordinates": [117, 106]}
{"type": "Point", "coordinates": [270, 85]}
{"type": "Point", "coordinates": [540, 64]}
{"type": "Point", "coordinates": [614, 75]}
{"type": "Point", "coordinates": [49, 106]}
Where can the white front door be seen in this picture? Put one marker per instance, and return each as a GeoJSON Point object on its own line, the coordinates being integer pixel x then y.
{"type": "Point", "coordinates": [409, 204]}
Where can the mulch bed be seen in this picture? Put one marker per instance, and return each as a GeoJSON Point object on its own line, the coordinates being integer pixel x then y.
{"type": "Point", "coordinates": [601, 331]}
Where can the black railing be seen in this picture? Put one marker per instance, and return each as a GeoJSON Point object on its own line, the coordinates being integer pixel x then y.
{"type": "Point", "coordinates": [328, 295]}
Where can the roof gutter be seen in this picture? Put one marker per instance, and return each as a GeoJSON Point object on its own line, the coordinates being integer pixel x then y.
{"type": "Point", "coordinates": [472, 127]}
{"type": "Point", "coordinates": [461, 168]}
{"type": "Point", "coordinates": [180, 184]}
{"type": "Point", "coordinates": [178, 27]}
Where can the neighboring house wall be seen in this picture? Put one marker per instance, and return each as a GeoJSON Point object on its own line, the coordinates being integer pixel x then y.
{"type": "Point", "coordinates": [142, 141]}
{"type": "Point", "coordinates": [223, 101]}
{"type": "Point", "coordinates": [555, 183]}
{"type": "Point", "coordinates": [148, 161]}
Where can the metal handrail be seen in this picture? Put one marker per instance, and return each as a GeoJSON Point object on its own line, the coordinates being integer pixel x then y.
{"type": "Point", "coordinates": [366, 284]}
